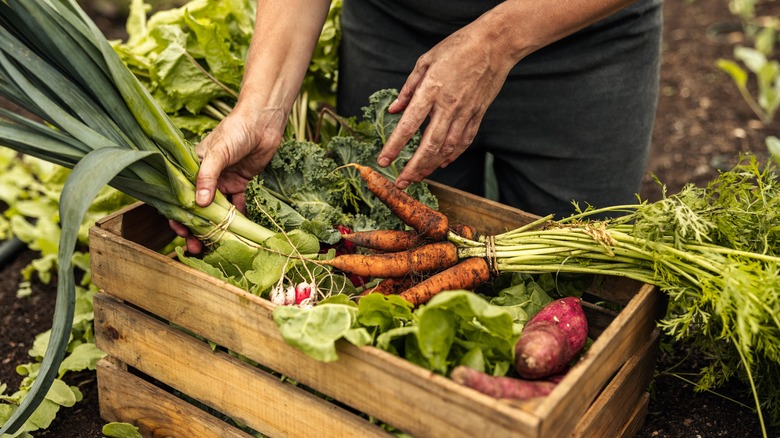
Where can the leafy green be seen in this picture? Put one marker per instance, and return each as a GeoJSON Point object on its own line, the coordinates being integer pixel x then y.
{"type": "Point", "coordinates": [120, 430]}
{"type": "Point", "coordinates": [311, 179]}
{"type": "Point", "coordinates": [316, 330]}
{"type": "Point", "coordinates": [455, 327]}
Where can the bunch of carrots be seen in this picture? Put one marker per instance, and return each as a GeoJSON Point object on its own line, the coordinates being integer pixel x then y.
{"type": "Point", "coordinates": [416, 264]}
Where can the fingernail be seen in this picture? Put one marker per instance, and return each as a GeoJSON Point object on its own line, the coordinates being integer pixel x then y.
{"type": "Point", "coordinates": [202, 197]}
{"type": "Point", "coordinates": [383, 162]}
{"type": "Point", "coordinates": [402, 184]}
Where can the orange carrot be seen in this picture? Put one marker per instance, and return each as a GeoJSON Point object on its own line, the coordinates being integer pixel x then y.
{"type": "Point", "coordinates": [467, 274]}
{"type": "Point", "coordinates": [391, 286]}
{"type": "Point", "coordinates": [464, 230]}
{"type": "Point", "coordinates": [385, 240]}
{"type": "Point", "coordinates": [430, 257]}
{"type": "Point", "coordinates": [412, 212]}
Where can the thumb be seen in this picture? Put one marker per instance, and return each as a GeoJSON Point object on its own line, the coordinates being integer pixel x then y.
{"type": "Point", "coordinates": [206, 184]}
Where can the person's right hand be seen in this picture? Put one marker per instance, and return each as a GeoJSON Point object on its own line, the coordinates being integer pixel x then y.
{"type": "Point", "coordinates": [231, 155]}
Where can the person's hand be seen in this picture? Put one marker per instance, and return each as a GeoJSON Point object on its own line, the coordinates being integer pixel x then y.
{"type": "Point", "coordinates": [231, 155]}
{"type": "Point", "coordinates": [453, 83]}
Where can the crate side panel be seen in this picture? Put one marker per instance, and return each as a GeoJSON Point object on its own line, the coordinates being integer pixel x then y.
{"type": "Point", "coordinates": [629, 331]}
{"type": "Point", "coordinates": [608, 414]}
{"type": "Point", "coordinates": [127, 398]}
{"type": "Point", "coordinates": [239, 390]}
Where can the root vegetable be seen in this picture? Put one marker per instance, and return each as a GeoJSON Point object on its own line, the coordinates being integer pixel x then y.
{"type": "Point", "coordinates": [385, 240]}
{"type": "Point", "coordinates": [464, 230]}
{"type": "Point", "coordinates": [391, 286]}
{"type": "Point", "coordinates": [501, 386]}
{"type": "Point", "coordinates": [410, 211]}
{"type": "Point", "coordinates": [551, 339]}
{"type": "Point", "coordinates": [467, 274]}
{"type": "Point", "coordinates": [430, 257]}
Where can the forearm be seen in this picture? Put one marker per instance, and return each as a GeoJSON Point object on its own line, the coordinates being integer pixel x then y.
{"type": "Point", "coordinates": [282, 44]}
{"type": "Point", "coordinates": [520, 27]}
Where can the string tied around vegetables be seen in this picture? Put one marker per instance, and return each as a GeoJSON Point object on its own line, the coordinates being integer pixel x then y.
{"type": "Point", "coordinates": [218, 230]}
{"type": "Point", "coordinates": [490, 254]}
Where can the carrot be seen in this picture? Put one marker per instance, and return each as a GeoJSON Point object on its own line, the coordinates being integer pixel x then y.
{"type": "Point", "coordinates": [429, 257]}
{"type": "Point", "coordinates": [464, 230]}
{"type": "Point", "coordinates": [391, 286]}
{"type": "Point", "coordinates": [385, 240]}
{"type": "Point", "coordinates": [501, 386]}
{"type": "Point", "coordinates": [412, 212]}
{"type": "Point", "coordinates": [467, 274]}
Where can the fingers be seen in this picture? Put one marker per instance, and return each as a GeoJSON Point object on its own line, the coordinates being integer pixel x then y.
{"type": "Point", "coordinates": [445, 139]}
{"type": "Point", "coordinates": [194, 246]}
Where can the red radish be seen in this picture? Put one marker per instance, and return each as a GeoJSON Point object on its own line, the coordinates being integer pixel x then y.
{"type": "Point", "coordinates": [551, 339]}
{"type": "Point", "coordinates": [501, 386]}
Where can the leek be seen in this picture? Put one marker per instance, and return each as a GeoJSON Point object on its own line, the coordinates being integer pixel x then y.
{"type": "Point", "coordinates": [90, 113]}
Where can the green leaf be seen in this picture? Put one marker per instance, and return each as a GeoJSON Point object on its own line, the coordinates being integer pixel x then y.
{"type": "Point", "coordinates": [315, 331]}
{"type": "Point", "coordinates": [61, 394]}
{"type": "Point", "coordinates": [736, 72]}
{"type": "Point", "coordinates": [83, 357]}
{"type": "Point", "coordinates": [121, 430]}
{"type": "Point", "coordinates": [773, 144]}
{"type": "Point", "coordinates": [753, 59]}
{"type": "Point", "coordinates": [435, 336]}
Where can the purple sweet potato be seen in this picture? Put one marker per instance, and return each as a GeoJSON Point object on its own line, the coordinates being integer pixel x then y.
{"type": "Point", "coordinates": [551, 339]}
{"type": "Point", "coordinates": [501, 386]}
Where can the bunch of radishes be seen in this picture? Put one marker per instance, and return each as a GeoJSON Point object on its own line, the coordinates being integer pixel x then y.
{"type": "Point", "coordinates": [303, 295]}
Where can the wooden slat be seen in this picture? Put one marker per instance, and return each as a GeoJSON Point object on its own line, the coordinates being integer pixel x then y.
{"type": "Point", "coordinates": [609, 413]}
{"type": "Point", "coordinates": [638, 417]}
{"type": "Point", "coordinates": [232, 387]}
{"type": "Point", "coordinates": [156, 413]}
{"type": "Point", "coordinates": [621, 340]}
{"type": "Point", "coordinates": [364, 378]}
{"type": "Point", "coordinates": [489, 217]}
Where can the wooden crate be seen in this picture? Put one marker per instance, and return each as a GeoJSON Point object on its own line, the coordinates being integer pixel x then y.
{"type": "Point", "coordinates": [154, 313]}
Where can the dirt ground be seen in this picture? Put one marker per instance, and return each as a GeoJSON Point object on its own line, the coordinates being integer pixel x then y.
{"type": "Point", "coordinates": [702, 125]}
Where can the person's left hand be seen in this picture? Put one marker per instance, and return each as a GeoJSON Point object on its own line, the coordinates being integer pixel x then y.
{"type": "Point", "coordinates": [453, 83]}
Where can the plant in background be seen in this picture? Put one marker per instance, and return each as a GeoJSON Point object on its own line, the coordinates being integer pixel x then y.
{"type": "Point", "coordinates": [191, 59]}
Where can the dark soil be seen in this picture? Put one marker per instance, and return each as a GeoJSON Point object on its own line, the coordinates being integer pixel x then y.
{"type": "Point", "coordinates": [702, 126]}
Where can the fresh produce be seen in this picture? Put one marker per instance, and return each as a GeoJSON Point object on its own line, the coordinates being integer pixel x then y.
{"type": "Point", "coordinates": [437, 255]}
{"type": "Point", "coordinates": [467, 274]}
{"type": "Point", "coordinates": [551, 339]}
{"type": "Point", "coordinates": [385, 240]}
{"type": "Point", "coordinates": [501, 386]}
{"type": "Point", "coordinates": [425, 220]}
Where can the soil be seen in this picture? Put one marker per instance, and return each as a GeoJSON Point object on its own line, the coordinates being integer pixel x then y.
{"type": "Point", "coordinates": [702, 126]}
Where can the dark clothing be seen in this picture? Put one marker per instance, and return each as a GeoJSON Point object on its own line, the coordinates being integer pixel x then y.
{"type": "Point", "coordinates": [573, 121]}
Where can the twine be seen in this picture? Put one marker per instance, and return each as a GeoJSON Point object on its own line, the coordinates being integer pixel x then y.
{"type": "Point", "coordinates": [218, 230]}
{"type": "Point", "coordinates": [490, 254]}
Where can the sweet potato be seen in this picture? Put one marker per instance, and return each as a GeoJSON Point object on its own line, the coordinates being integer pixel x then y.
{"type": "Point", "coordinates": [551, 339]}
{"type": "Point", "coordinates": [501, 386]}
